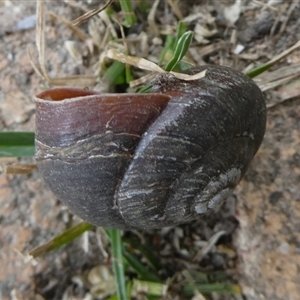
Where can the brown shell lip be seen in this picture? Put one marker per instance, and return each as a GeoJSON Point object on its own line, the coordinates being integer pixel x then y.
{"type": "Point", "coordinates": [59, 94]}
{"type": "Point", "coordinates": [65, 115]}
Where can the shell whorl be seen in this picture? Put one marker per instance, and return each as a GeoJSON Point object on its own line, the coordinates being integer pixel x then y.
{"type": "Point", "coordinates": [151, 164]}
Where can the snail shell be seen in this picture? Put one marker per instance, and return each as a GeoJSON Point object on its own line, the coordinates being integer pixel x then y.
{"type": "Point", "coordinates": [150, 160]}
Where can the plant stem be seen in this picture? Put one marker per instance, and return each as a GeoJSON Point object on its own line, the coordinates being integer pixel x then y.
{"type": "Point", "coordinates": [117, 261]}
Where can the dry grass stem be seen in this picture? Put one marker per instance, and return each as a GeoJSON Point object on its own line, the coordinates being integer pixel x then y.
{"type": "Point", "coordinates": [138, 62]}
{"type": "Point", "coordinates": [284, 54]}
{"type": "Point", "coordinates": [145, 64]}
{"type": "Point", "coordinates": [281, 73]}
{"type": "Point", "coordinates": [79, 5]}
{"type": "Point", "coordinates": [91, 13]}
{"type": "Point", "coordinates": [274, 84]}
{"type": "Point", "coordinates": [151, 18]}
{"type": "Point", "coordinates": [142, 80]}
{"type": "Point", "coordinates": [188, 77]}
{"type": "Point", "coordinates": [211, 243]}
{"type": "Point", "coordinates": [293, 5]}
{"type": "Point", "coordinates": [176, 10]}
{"type": "Point", "coordinates": [77, 31]}
{"type": "Point", "coordinates": [103, 15]}
{"type": "Point", "coordinates": [79, 80]}
{"type": "Point", "coordinates": [20, 168]}
{"type": "Point", "coordinates": [40, 37]}
{"type": "Point", "coordinates": [265, 6]}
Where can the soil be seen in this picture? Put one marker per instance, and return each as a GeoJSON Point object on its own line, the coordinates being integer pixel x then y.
{"type": "Point", "coordinates": [261, 248]}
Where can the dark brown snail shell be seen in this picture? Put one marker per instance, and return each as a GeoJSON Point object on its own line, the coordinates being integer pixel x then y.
{"type": "Point", "coordinates": [150, 160]}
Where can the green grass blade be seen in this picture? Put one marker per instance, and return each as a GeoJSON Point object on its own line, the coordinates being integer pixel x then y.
{"type": "Point", "coordinates": [62, 239]}
{"type": "Point", "coordinates": [220, 288]}
{"type": "Point", "coordinates": [16, 144]}
{"type": "Point", "coordinates": [153, 260]}
{"type": "Point", "coordinates": [117, 261]}
{"type": "Point", "coordinates": [148, 287]}
{"type": "Point", "coordinates": [169, 43]}
{"type": "Point", "coordinates": [181, 49]}
{"type": "Point", "coordinates": [115, 73]}
{"type": "Point", "coordinates": [144, 272]}
{"type": "Point", "coordinates": [145, 89]}
{"type": "Point", "coordinates": [264, 67]}
{"type": "Point", "coordinates": [259, 70]}
{"type": "Point", "coordinates": [182, 28]}
{"type": "Point", "coordinates": [128, 292]}
{"type": "Point", "coordinates": [130, 17]}
{"type": "Point", "coordinates": [129, 76]}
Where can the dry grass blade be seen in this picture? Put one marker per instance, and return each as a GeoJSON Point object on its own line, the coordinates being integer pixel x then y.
{"type": "Point", "coordinates": [79, 5]}
{"type": "Point", "coordinates": [276, 83]}
{"type": "Point", "coordinates": [282, 76]}
{"type": "Point", "coordinates": [293, 5]}
{"type": "Point", "coordinates": [176, 10]}
{"type": "Point", "coordinates": [284, 54]}
{"type": "Point", "coordinates": [145, 64]}
{"type": "Point", "coordinates": [106, 19]}
{"type": "Point", "coordinates": [151, 17]}
{"type": "Point", "coordinates": [40, 37]}
{"type": "Point", "coordinates": [40, 44]}
{"type": "Point", "coordinates": [265, 6]}
{"type": "Point", "coordinates": [142, 80]}
{"type": "Point", "coordinates": [79, 81]}
{"type": "Point", "coordinates": [138, 62]}
{"type": "Point", "coordinates": [278, 74]}
{"type": "Point", "coordinates": [78, 32]}
{"type": "Point", "coordinates": [188, 77]}
{"type": "Point", "coordinates": [82, 81]}
{"type": "Point", "coordinates": [36, 69]}
{"type": "Point", "coordinates": [288, 79]}
{"type": "Point", "coordinates": [262, 68]}
{"type": "Point", "coordinates": [276, 78]}
{"type": "Point", "coordinates": [272, 80]}
{"type": "Point", "coordinates": [91, 13]}
{"type": "Point", "coordinates": [211, 243]}
{"type": "Point", "coordinates": [20, 168]}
